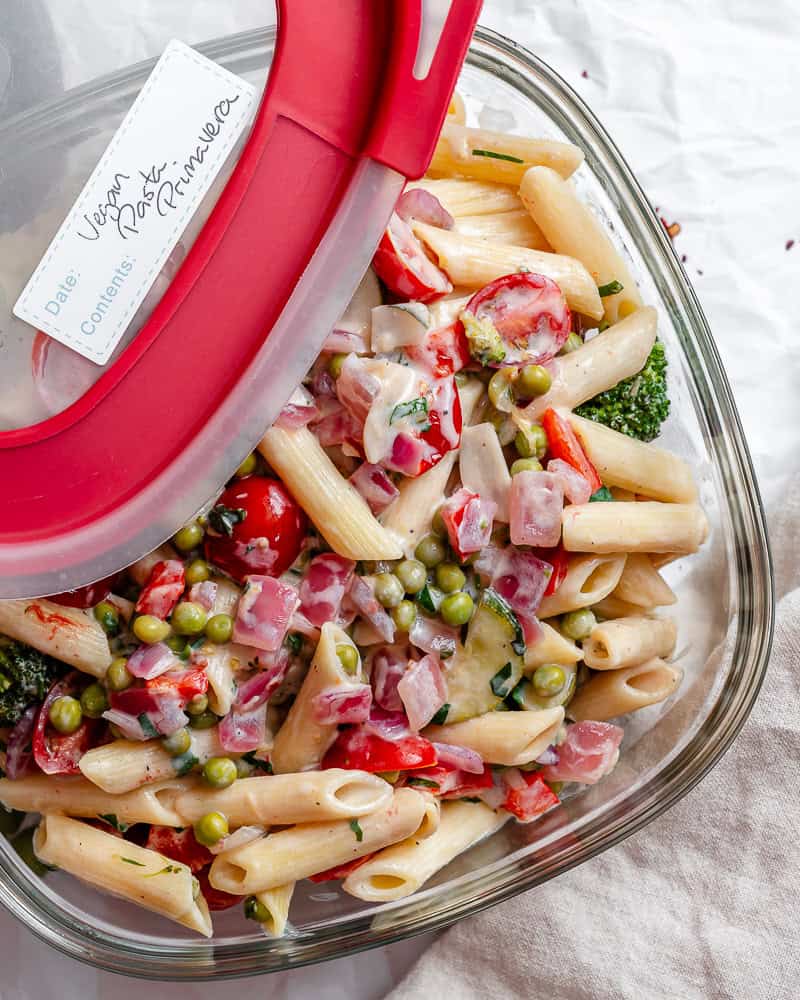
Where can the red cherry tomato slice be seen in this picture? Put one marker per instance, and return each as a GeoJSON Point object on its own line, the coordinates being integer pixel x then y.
{"type": "Point", "coordinates": [404, 267]}
{"type": "Point", "coordinates": [340, 871]}
{"type": "Point", "coordinates": [216, 899]}
{"type": "Point", "coordinates": [88, 596]}
{"type": "Point", "coordinates": [180, 846]}
{"type": "Point", "coordinates": [266, 539]}
{"type": "Point", "coordinates": [529, 312]}
{"type": "Point", "coordinates": [358, 750]}
{"type": "Point", "coordinates": [444, 352]}
{"type": "Point", "coordinates": [59, 753]}
{"type": "Point", "coordinates": [563, 443]}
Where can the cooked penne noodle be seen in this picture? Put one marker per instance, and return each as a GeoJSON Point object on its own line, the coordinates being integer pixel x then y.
{"type": "Point", "coordinates": [457, 112]}
{"type": "Point", "coordinates": [226, 598]}
{"type": "Point", "coordinates": [68, 634]}
{"type": "Point", "coordinates": [641, 584]}
{"type": "Point", "coordinates": [612, 607]}
{"type": "Point", "coordinates": [634, 527]}
{"type": "Point", "coordinates": [483, 467]}
{"type": "Point", "coordinates": [409, 517]}
{"type": "Point", "coordinates": [283, 799]}
{"type": "Point", "coordinates": [571, 228]}
{"type": "Point", "coordinates": [399, 871]}
{"type": "Point", "coordinates": [616, 692]}
{"type": "Point", "coordinates": [339, 512]}
{"type": "Point", "coordinates": [301, 741]}
{"type": "Point", "coordinates": [550, 647]}
{"type": "Point", "coordinates": [76, 796]}
{"type": "Point", "coordinates": [474, 263]}
{"type": "Point", "coordinates": [509, 738]}
{"type": "Point", "coordinates": [618, 493]}
{"type": "Point", "coordinates": [589, 579]}
{"type": "Point", "coordinates": [277, 902]}
{"type": "Point", "coordinates": [123, 765]}
{"type": "Point", "coordinates": [628, 641]}
{"type": "Point", "coordinates": [310, 848]}
{"type": "Point", "coordinates": [221, 679]}
{"type": "Point", "coordinates": [615, 354]}
{"type": "Point", "coordinates": [445, 311]}
{"type": "Point", "coordinates": [516, 228]}
{"type": "Point", "coordinates": [636, 466]}
{"type": "Point", "coordinates": [461, 197]}
{"type": "Point", "coordinates": [123, 869]}
{"type": "Point", "coordinates": [462, 151]}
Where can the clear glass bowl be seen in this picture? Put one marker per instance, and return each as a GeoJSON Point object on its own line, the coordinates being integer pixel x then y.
{"type": "Point", "coordinates": [725, 607]}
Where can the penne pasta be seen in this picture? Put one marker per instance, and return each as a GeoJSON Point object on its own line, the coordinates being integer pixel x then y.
{"type": "Point", "coordinates": [123, 869]}
{"type": "Point", "coordinates": [301, 741]}
{"type": "Point", "coordinates": [219, 663]}
{"type": "Point", "coordinates": [612, 607]}
{"type": "Point", "coordinates": [628, 641]}
{"type": "Point", "coordinates": [75, 796]}
{"type": "Point", "coordinates": [226, 598]}
{"type": "Point", "coordinates": [474, 263]}
{"type": "Point", "coordinates": [283, 799]}
{"type": "Point", "coordinates": [516, 228]}
{"type": "Point", "coordinates": [571, 228]}
{"type": "Point", "coordinates": [634, 465]}
{"type": "Point", "coordinates": [509, 738]}
{"type": "Point", "coordinates": [277, 903]}
{"type": "Point", "coordinates": [460, 196]}
{"type": "Point", "coordinates": [339, 512]}
{"type": "Point", "coordinates": [456, 112]}
{"type": "Point", "coordinates": [401, 870]}
{"type": "Point", "coordinates": [634, 527]}
{"type": "Point", "coordinates": [483, 467]}
{"type": "Point", "coordinates": [550, 647]}
{"type": "Point", "coordinates": [617, 692]}
{"type": "Point", "coordinates": [615, 354]}
{"type": "Point", "coordinates": [310, 848]}
{"type": "Point", "coordinates": [68, 634]}
{"type": "Point", "coordinates": [589, 579]}
{"type": "Point", "coordinates": [642, 585]}
{"type": "Point", "coordinates": [462, 151]}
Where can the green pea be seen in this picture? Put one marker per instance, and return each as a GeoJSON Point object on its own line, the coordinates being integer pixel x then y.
{"type": "Point", "coordinates": [438, 527]}
{"type": "Point", "coordinates": [197, 704]}
{"type": "Point", "coordinates": [188, 618]}
{"type": "Point", "coordinates": [456, 609]}
{"type": "Point", "coordinates": [248, 466]}
{"type": "Point", "coordinates": [430, 551]}
{"type": "Point", "coordinates": [548, 680]}
{"type": "Point", "coordinates": [94, 701]}
{"type": "Point", "coordinates": [412, 574]}
{"type": "Point", "coordinates": [117, 676]}
{"type": "Point", "coordinates": [219, 628]}
{"type": "Point", "coordinates": [206, 720]}
{"type": "Point", "coordinates": [578, 625]}
{"type": "Point", "coordinates": [188, 538]}
{"type": "Point", "coordinates": [501, 395]}
{"type": "Point", "coordinates": [335, 364]}
{"type": "Point", "coordinates": [255, 910]}
{"type": "Point", "coordinates": [23, 845]}
{"type": "Point", "coordinates": [149, 629]}
{"type": "Point", "coordinates": [197, 571]}
{"type": "Point", "coordinates": [533, 380]}
{"type": "Point", "coordinates": [388, 590]}
{"type": "Point", "coordinates": [404, 615]}
{"type": "Point", "coordinates": [348, 657]}
{"type": "Point", "coordinates": [178, 645]}
{"type": "Point", "coordinates": [211, 828]}
{"type": "Point", "coordinates": [177, 743]}
{"type": "Point", "coordinates": [557, 786]}
{"type": "Point", "coordinates": [219, 772]}
{"type": "Point", "coordinates": [531, 442]}
{"type": "Point", "coordinates": [449, 577]}
{"type": "Point", "coordinates": [526, 465]}
{"type": "Point", "coordinates": [66, 714]}
{"type": "Point", "coordinates": [108, 616]}
{"type": "Point", "coordinates": [572, 343]}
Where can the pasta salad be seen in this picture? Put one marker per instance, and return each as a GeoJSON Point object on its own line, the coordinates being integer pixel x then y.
{"type": "Point", "coordinates": [418, 611]}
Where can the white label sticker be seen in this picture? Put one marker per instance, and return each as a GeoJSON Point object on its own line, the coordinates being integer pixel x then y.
{"type": "Point", "coordinates": [139, 199]}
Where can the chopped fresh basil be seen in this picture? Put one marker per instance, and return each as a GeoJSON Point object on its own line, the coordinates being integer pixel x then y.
{"type": "Point", "coordinates": [612, 288]}
{"type": "Point", "coordinates": [257, 762]}
{"type": "Point", "coordinates": [470, 798]}
{"type": "Point", "coordinates": [184, 762]}
{"type": "Point", "coordinates": [295, 642]}
{"type": "Point", "coordinates": [112, 820]}
{"type": "Point", "coordinates": [516, 700]}
{"type": "Point", "coordinates": [430, 598]}
{"type": "Point", "coordinates": [167, 870]}
{"type": "Point", "coordinates": [355, 826]}
{"type": "Point", "coordinates": [148, 728]}
{"type": "Point", "coordinates": [423, 782]}
{"type": "Point", "coordinates": [497, 156]}
{"type": "Point", "coordinates": [603, 495]}
{"type": "Point", "coordinates": [420, 312]}
{"type": "Point", "coordinates": [500, 683]}
{"type": "Point", "coordinates": [223, 519]}
{"type": "Point", "coordinates": [130, 861]}
{"type": "Point", "coordinates": [441, 716]}
{"type": "Point", "coordinates": [416, 408]}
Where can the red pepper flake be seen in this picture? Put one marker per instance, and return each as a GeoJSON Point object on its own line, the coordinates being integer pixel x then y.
{"type": "Point", "coordinates": [584, 74]}
{"type": "Point", "coordinates": [789, 244]}
{"type": "Point", "coordinates": [673, 228]}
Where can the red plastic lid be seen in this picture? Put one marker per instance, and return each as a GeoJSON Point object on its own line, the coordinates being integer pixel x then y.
{"type": "Point", "coordinates": [356, 96]}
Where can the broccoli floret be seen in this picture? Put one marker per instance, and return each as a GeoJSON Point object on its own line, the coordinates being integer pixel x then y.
{"type": "Point", "coordinates": [25, 677]}
{"type": "Point", "coordinates": [638, 405]}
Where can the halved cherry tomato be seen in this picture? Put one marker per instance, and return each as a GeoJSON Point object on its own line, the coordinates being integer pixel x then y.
{"type": "Point", "coordinates": [54, 752]}
{"type": "Point", "coordinates": [402, 264]}
{"type": "Point", "coordinates": [184, 685]}
{"type": "Point", "coordinates": [559, 560]}
{"type": "Point", "coordinates": [451, 782]}
{"type": "Point", "coordinates": [88, 596]}
{"type": "Point", "coordinates": [531, 799]}
{"type": "Point", "coordinates": [563, 443]}
{"type": "Point", "coordinates": [268, 537]}
{"type": "Point", "coordinates": [358, 750]}
{"type": "Point", "coordinates": [529, 312]}
{"type": "Point", "coordinates": [443, 352]}
{"type": "Point", "coordinates": [179, 845]}
{"type": "Point", "coordinates": [163, 589]}
{"type": "Point", "coordinates": [216, 899]}
{"type": "Point", "coordinates": [340, 871]}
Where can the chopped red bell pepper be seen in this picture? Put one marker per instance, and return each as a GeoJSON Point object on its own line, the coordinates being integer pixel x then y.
{"type": "Point", "coordinates": [358, 750]}
{"type": "Point", "coordinates": [185, 684]}
{"type": "Point", "coordinates": [451, 782]}
{"type": "Point", "coordinates": [216, 898]}
{"type": "Point", "coordinates": [163, 589]}
{"type": "Point", "coordinates": [179, 845]}
{"type": "Point", "coordinates": [340, 871]}
{"type": "Point", "coordinates": [531, 799]}
{"type": "Point", "coordinates": [443, 352]}
{"type": "Point", "coordinates": [59, 753]}
{"type": "Point", "coordinates": [563, 443]}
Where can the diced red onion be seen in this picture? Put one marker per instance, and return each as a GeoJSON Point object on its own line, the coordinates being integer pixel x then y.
{"type": "Point", "coordinates": [487, 561]}
{"type": "Point", "coordinates": [521, 578]}
{"type": "Point", "coordinates": [387, 725]}
{"type": "Point", "coordinates": [19, 755]}
{"type": "Point", "coordinates": [495, 796]}
{"type": "Point", "coordinates": [468, 519]}
{"type": "Point", "coordinates": [590, 751]}
{"type": "Point", "coordinates": [169, 718]}
{"type": "Point", "coordinates": [374, 486]}
{"type": "Point", "coordinates": [345, 342]}
{"type": "Point", "coordinates": [264, 612]}
{"type": "Point", "coordinates": [239, 838]}
{"type": "Point", "coordinates": [463, 758]}
{"type": "Point", "coordinates": [324, 585]}
{"type": "Point", "coordinates": [433, 636]}
{"type": "Point", "coordinates": [204, 594]}
{"type": "Point", "coordinates": [323, 384]}
{"type": "Point", "coordinates": [531, 629]}
{"type": "Point", "coordinates": [338, 426]}
{"type": "Point", "coordinates": [421, 204]}
{"type": "Point", "coordinates": [128, 725]}
{"type": "Point", "coordinates": [255, 691]}
{"type": "Point", "coordinates": [423, 691]}
{"type": "Point", "coordinates": [537, 501]}
{"type": "Point", "coordinates": [548, 756]}
{"type": "Point", "coordinates": [387, 666]}
{"type": "Point", "coordinates": [299, 411]}
{"type": "Point", "coordinates": [147, 662]}
{"type": "Point", "coordinates": [342, 704]}
{"type": "Point", "coordinates": [356, 387]}
{"type": "Point", "coordinates": [364, 599]}
{"type": "Point", "coordinates": [407, 454]}
{"type": "Point", "coordinates": [240, 732]}
{"type": "Point", "coordinates": [577, 488]}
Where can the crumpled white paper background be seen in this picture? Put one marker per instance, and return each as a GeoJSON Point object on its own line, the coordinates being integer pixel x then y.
{"type": "Point", "coordinates": [701, 99]}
